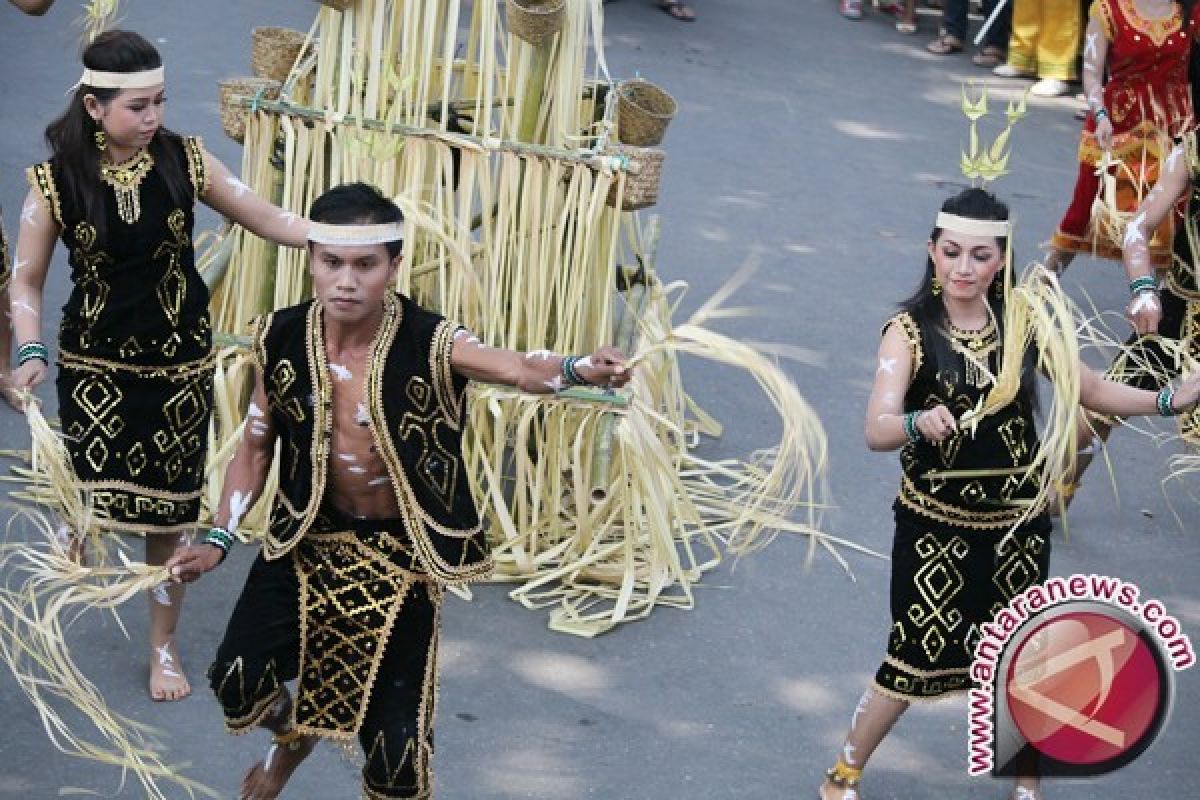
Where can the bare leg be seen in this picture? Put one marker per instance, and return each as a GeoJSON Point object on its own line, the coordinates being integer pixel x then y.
{"type": "Point", "coordinates": [167, 681]}
{"type": "Point", "coordinates": [1028, 785]}
{"type": "Point", "coordinates": [1057, 260]}
{"type": "Point", "coordinates": [873, 718]}
{"type": "Point", "coordinates": [266, 779]}
{"type": "Point", "coordinates": [1089, 427]}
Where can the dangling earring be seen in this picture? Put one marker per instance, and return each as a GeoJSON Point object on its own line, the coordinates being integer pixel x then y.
{"type": "Point", "coordinates": [100, 138]}
{"type": "Point", "coordinates": [936, 287]}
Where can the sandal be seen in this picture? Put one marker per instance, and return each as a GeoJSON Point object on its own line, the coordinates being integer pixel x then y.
{"type": "Point", "coordinates": [677, 10]}
{"type": "Point", "coordinates": [945, 45]}
{"type": "Point", "coordinates": [989, 56]}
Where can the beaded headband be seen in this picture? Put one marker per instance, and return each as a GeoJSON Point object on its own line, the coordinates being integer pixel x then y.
{"type": "Point", "coordinates": [356, 235]}
{"type": "Point", "coordinates": [144, 79]}
{"type": "Point", "coordinates": [973, 227]}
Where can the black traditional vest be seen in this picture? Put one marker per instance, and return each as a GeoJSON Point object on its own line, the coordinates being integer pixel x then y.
{"type": "Point", "coordinates": [415, 403]}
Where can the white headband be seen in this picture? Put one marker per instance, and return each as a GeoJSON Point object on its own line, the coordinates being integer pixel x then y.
{"type": "Point", "coordinates": [356, 235]}
{"type": "Point", "coordinates": [122, 80]}
{"type": "Point", "coordinates": [973, 227]}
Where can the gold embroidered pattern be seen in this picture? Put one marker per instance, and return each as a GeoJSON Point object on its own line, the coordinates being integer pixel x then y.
{"type": "Point", "coordinates": [443, 373]}
{"type": "Point", "coordinates": [193, 148]}
{"type": "Point", "coordinates": [95, 289]}
{"type": "Point", "coordinates": [976, 348]}
{"type": "Point", "coordinates": [126, 181]}
{"type": "Point", "coordinates": [41, 178]}
{"type": "Point", "coordinates": [351, 592]}
{"type": "Point", "coordinates": [172, 371]}
{"type": "Point", "coordinates": [231, 690]}
{"type": "Point", "coordinates": [1156, 28]}
{"type": "Point", "coordinates": [912, 333]}
{"type": "Point", "coordinates": [172, 288]}
{"type": "Point", "coordinates": [916, 500]}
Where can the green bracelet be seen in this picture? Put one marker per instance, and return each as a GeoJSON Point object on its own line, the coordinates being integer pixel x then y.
{"type": "Point", "coordinates": [1166, 402]}
{"type": "Point", "coordinates": [1143, 283]}
{"type": "Point", "coordinates": [910, 427]}
{"type": "Point", "coordinates": [221, 539]}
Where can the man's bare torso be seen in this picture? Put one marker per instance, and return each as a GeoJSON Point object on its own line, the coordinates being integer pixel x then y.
{"type": "Point", "coordinates": [358, 482]}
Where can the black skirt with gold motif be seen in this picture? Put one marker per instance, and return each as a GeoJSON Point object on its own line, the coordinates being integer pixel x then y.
{"type": "Point", "coordinates": [135, 344]}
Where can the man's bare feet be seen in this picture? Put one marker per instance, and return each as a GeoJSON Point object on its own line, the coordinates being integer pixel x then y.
{"type": "Point", "coordinates": [167, 681]}
{"type": "Point", "coordinates": [266, 779]}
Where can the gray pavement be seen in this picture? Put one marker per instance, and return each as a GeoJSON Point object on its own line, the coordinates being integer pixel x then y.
{"type": "Point", "coordinates": [823, 146]}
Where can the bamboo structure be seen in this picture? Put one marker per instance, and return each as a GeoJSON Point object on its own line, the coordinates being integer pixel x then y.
{"type": "Point", "coordinates": [501, 151]}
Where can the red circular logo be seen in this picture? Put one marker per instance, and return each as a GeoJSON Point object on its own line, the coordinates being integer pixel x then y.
{"type": "Point", "coordinates": [1085, 688]}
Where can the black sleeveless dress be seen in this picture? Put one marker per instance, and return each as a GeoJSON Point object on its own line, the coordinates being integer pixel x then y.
{"type": "Point", "coordinates": [956, 557]}
{"type": "Point", "coordinates": [135, 345]}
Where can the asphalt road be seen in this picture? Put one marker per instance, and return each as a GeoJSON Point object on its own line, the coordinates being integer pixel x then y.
{"type": "Point", "coordinates": [822, 147]}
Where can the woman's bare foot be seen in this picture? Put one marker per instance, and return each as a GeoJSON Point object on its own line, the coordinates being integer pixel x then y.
{"type": "Point", "coordinates": [266, 779]}
{"type": "Point", "coordinates": [167, 681]}
{"type": "Point", "coordinates": [830, 792]}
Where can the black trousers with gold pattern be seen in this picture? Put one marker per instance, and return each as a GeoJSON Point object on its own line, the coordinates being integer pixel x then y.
{"type": "Point", "coordinates": [262, 650]}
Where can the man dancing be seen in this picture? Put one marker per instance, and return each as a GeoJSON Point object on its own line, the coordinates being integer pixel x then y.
{"type": "Point", "coordinates": [363, 390]}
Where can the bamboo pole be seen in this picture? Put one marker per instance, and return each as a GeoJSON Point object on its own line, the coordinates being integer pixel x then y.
{"type": "Point", "coordinates": [587, 157]}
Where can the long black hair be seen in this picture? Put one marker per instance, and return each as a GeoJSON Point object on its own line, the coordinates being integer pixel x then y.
{"type": "Point", "coordinates": [929, 312]}
{"type": "Point", "coordinates": [71, 137]}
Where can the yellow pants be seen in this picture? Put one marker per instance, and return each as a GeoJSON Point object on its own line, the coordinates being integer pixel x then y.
{"type": "Point", "coordinates": [1045, 37]}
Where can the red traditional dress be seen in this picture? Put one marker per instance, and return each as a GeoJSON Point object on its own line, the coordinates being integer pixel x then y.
{"type": "Point", "coordinates": [1149, 102]}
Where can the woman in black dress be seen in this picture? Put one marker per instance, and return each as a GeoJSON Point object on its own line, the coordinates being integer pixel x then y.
{"type": "Point", "coordinates": [966, 543]}
{"type": "Point", "coordinates": [135, 344]}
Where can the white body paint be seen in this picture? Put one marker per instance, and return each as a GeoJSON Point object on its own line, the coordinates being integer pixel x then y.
{"type": "Point", "coordinates": [361, 416]}
{"type": "Point", "coordinates": [27, 214]}
{"type": "Point", "coordinates": [555, 384]}
{"type": "Point", "coordinates": [860, 708]}
{"type": "Point", "coordinates": [340, 372]}
{"type": "Point", "coordinates": [254, 410]}
{"type": "Point", "coordinates": [357, 470]}
{"type": "Point", "coordinates": [239, 188]}
{"type": "Point", "coordinates": [347, 457]}
{"type": "Point", "coordinates": [545, 355]}
{"type": "Point", "coordinates": [382, 479]}
{"type": "Point", "coordinates": [1173, 157]}
{"type": "Point", "coordinates": [159, 593]}
{"type": "Point", "coordinates": [21, 305]}
{"type": "Point", "coordinates": [887, 365]}
{"type": "Point", "coordinates": [290, 217]}
{"type": "Point", "coordinates": [848, 754]}
{"type": "Point", "coordinates": [1133, 234]}
{"type": "Point", "coordinates": [239, 504]}
{"type": "Point", "coordinates": [166, 661]}
{"type": "Point", "coordinates": [1143, 302]}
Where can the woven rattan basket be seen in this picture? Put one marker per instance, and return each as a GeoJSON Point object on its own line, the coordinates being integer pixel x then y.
{"type": "Point", "coordinates": [339, 5]}
{"type": "Point", "coordinates": [643, 113]}
{"type": "Point", "coordinates": [273, 52]}
{"type": "Point", "coordinates": [535, 21]}
{"type": "Point", "coordinates": [642, 182]}
{"type": "Point", "coordinates": [233, 114]}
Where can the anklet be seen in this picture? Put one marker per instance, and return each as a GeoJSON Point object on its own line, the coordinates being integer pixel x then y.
{"type": "Point", "coordinates": [844, 776]}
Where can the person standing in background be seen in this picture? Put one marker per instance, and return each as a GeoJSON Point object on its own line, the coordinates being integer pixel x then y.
{"type": "Point", "coordinates": [1044, 44]}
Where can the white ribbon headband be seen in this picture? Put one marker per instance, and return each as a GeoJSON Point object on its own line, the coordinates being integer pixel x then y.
{"type": "Point", "coordinates": [356, 235]}
{"type": "Point", "coordinates": [122, 80]}
{"type": "Point", "coordinates": [973, 227]}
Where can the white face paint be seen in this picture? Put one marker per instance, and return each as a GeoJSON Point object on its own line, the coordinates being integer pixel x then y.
{"type": "Point", "coordinates": [239, 504]}
{"type": "Point", "coordinates": [544, 355]}
{"type": "Point", "coordinates": [239, 188]}
{"type": "Point", "coordinates": [340, 372]}
{"type": "Point", "coordinates": [887, 365]}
